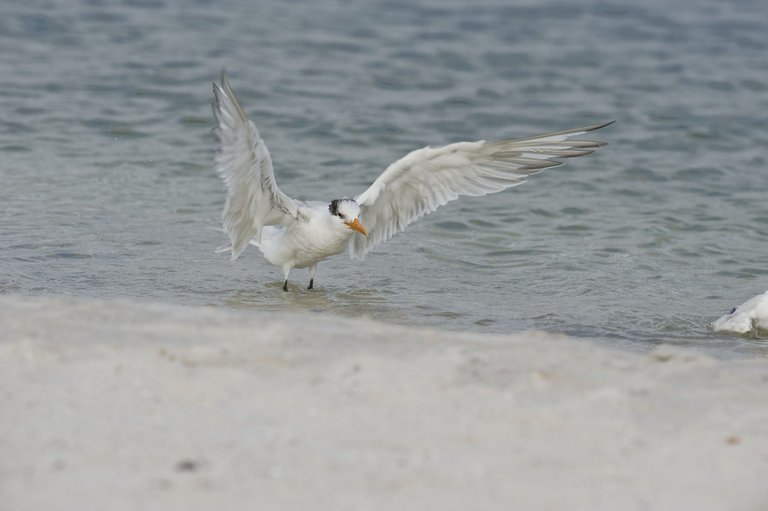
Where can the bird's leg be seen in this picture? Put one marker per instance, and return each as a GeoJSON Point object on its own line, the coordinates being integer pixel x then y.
{"type": "Point", "coordinates": [286, 271]}
{"type": "Point", "coordinates": [312, 276]}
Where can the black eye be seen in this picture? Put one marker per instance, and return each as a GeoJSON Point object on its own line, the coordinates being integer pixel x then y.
{"type": "Point", "coordinates": [732, 310]}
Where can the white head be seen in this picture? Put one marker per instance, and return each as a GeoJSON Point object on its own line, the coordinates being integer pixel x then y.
{"type": "Point", "coordinates": [348, 212]}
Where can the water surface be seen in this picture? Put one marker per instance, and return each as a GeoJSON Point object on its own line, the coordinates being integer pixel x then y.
{"type": "Point", "coordinates": [108, 188]}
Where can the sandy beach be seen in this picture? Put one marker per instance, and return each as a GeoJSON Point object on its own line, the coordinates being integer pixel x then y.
{"type": "Point", "coordinates": [124, 405]}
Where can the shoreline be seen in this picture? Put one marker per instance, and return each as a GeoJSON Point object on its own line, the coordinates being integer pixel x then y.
{"type": "Point", "coordinates": [124, 405]}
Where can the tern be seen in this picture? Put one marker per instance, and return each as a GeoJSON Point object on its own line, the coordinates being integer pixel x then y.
{"type": "Point", "coordinates": [296, 234]}
{"type": "Point", "coordinates": [750, 316]}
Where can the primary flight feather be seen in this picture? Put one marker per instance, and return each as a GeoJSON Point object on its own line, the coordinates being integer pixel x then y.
{"type": "Point", "coordinates": [295, 234]}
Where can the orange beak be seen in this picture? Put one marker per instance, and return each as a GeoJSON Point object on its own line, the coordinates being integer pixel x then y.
{"type": "Point", "coordinates": [357, 226]}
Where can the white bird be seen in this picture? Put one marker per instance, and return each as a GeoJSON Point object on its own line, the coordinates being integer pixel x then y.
{"type": "Point", "coordinates": [294, 234]}
{"type": "Point", "coordinates": [751, 315]}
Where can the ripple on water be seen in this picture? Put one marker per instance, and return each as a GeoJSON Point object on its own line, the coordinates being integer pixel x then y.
{"type": "Point", "coordinates": [112, 154]}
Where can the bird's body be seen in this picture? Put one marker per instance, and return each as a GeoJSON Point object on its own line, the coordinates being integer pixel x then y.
{"type": "Point", "coordinates": [750, 316]}
{"type": "Point", "coordinates": [304, 244]}
{"type": "Point", "coordinates": [294, 234]}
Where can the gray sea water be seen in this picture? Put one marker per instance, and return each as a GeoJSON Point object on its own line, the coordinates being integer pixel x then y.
{"type": "Point", "coordinates": [107, 187]}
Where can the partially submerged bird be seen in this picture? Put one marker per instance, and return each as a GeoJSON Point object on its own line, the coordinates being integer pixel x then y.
{"type": "Point", "coordinates": [750, 316]}
{"type": "Point", "coordinates": [295, 234]}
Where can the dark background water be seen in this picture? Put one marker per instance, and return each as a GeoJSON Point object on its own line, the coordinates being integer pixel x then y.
{"type": "Point", "coordinates": [107, 187]}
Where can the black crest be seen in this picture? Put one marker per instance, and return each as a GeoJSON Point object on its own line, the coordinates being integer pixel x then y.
{"type": "Point", "coordinates": [334, 207]}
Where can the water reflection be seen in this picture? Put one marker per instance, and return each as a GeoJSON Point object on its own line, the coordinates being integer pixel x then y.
{"type": "Point", "coordinates": [352, 303]}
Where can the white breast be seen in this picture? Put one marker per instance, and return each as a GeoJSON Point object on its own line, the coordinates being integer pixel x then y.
{"type": "Point", "coordinates": [308, 241]}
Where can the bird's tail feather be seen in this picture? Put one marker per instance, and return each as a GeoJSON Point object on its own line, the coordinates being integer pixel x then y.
{"type": "Point", "coordinates": [223, 249]}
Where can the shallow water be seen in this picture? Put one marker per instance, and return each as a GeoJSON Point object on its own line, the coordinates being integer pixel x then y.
{"type": "Point", "coordinates": [108, 188]}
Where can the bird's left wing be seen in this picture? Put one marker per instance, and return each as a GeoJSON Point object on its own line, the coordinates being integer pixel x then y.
{"type": "Point", "coordinates": [244, 164]}
{"type": "Point", "coordinates": [427, 178]}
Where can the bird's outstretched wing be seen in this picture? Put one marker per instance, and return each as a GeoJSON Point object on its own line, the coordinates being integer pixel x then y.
{"type": "Point", "coordinates": [244, 164]}
{"type": "Point", "coordinates": [427, 178]}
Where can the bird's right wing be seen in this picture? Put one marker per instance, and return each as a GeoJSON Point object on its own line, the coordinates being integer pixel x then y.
{"type": "Point", "coordinates": [427, 178]}
{"type": "Point", "coordinates": [244, 164]}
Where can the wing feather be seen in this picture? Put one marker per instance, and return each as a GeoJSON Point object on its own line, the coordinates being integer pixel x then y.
{"type": "Point", "coordinates": [427, 178]}
{"type": "Point", "coordinates": [244, 164]}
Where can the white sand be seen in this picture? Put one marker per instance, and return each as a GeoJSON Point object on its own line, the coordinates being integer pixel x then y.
{"type": "Point", "coordinates": [120, 405]}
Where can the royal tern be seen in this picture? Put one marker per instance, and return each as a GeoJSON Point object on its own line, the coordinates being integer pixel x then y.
{"type": "Point", "coordinates": [295, 234]}
{"type": "Point", "coordinates": [750, 316]}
